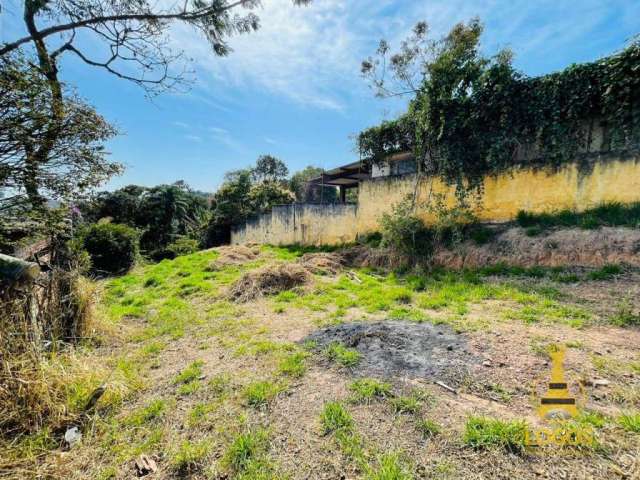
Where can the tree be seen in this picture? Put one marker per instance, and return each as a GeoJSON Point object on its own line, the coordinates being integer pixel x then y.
{"type": "Point", "coordinates": [133, 35]}
{"type": "Point", "coordinates": [264, 196]}
{"type": "Point", "coordinates": [75, 161]}
{"type": "Point", "coordinates": [269, 168]}
{"type": "Point", "coordinates": [311, 193]}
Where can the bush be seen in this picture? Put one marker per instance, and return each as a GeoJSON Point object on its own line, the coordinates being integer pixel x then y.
{"type": "Point", "coordinates": [112, 247]}
{"type": "Point", "coordinates": [183, 246]}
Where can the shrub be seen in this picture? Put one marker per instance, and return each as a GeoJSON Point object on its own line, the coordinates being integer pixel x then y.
{"type": "Point", "coordinates": [112, 247]}
{"type": "Point", "coordinates": [183, 246]}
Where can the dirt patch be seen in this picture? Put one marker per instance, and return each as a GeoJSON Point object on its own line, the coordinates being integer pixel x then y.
{"type": "Point", "coordinates": [234, 255]}
{"type": "Point", "coordinates": [410, 350]}
{"type": "Point", "coordinates": [268, 280]}
{"type": "Point", "coordinates": [322, 263]}
{"type": "Point", "coordinates": [589, 248]}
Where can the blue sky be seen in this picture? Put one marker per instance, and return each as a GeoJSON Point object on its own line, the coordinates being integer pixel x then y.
{"type": "Point", "coordinates": [293, 89]}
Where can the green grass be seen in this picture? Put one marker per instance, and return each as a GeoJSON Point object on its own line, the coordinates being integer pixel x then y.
{"type": "Point", "coordinates": [606, 272]}
{"type": "Point", "coordinates": [483, 432]}
{"type": "Point", "coordinates": [389, 467]}
{"type": "Point", "coordinates": [609, 214]}
{"type": "Point", "coordinates": [190, 456]}
{"type": "Point", "coordinates": [335, 417]}
{"type": "Point", "coordinates": [347, 357]}
{"type": "Point", "coordinates": [246, 450]}
{"type": "Point", "coordinates": [189, 374]}
{"type": "Point", "coordinates": [260, 393]}
{"type": "Point", "coordinates": [146, 414]}
{"type": "Point", "coordinates": [293, 364]}
{"type": "Point", "coordinates": [630, 422]}
{"type": "Point", "coordinates": [625, 315]}
{"type": "Point", "coordinates": [367, 389]}
{"type": "Point", "coordinates": [405, 404]}
{"type": "Point", "coordinates": [428, 428]}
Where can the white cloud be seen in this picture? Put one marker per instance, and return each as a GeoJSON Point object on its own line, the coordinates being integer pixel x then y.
{"type": "Point", "coordinates": [193, 138]}
{"type": "Point", "coordinates": [311, 55]}
{"type": "Point", "coordinates": [181, 124]}
{"type": "Point", "coordinates": [270, 140]}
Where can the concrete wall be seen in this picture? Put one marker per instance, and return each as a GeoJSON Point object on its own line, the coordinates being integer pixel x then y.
{"type": "Point", "coordinates": [573, 186]}
{"type": "Point", "coordinates": [305, 224]}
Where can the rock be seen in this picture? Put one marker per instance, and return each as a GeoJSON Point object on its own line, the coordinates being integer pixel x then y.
{"type": "Point", "coordinates": [72, 436]}
{"type": "Point", "coordinates": [487, 363]}
{"type": "Point", "coordinates": [145, 465]}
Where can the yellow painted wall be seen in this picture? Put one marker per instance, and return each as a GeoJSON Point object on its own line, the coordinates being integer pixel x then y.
{"type": "Point", "coordinates": [612, 180]}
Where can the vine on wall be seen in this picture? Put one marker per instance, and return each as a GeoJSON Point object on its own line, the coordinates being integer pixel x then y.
{"type": "Point", "coordinates": [474, 116]}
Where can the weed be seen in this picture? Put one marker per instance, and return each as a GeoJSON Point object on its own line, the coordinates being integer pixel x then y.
{"type": "Point", "coordinates": [219, 384]}
{"type": "Point", "coordinates": [258, 394]}
{"type": "Point", "coordinates": [630, 422]}
{"type": "Point", "coordinates": [428, 428]}
{"type": "Point", "coordinates": [483, 432]}
{"type": "Point", "coordinates": [608, 214]}
{"type": "Point", "coordinates": [189, 456]}
{"type": "Point", "coordinates": [347, 357]}
{"type": "Point", "coordinates": [389, 467]}
{"type": "Point", "coordinates": [595, 419]}
{"type": "Point", "coordinates": [198, 414]}
{"type": "Point", "coordinates": [368, 389]}
{"type": "Point", "coordinates": [335, 417]}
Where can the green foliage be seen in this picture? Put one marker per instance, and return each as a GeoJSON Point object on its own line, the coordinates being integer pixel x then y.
{"type": "Point", "coordinates": [606, 272]}
{"type": "Point", "coordinates": [189, 374]}
{"type": "Point", "coordinates": [608, 214]}
{"type": "Point", "coordinates": [258, 394]}
{"type": "Point", "coordinates": [405, 404]}
{"type": "Point", "coordinates": [245, 449]}
{"type": "Point", "coordinates": [189, 456]}
{"type": "Point", "coordinates": [112, 247]}
{"type": "Point", "coordinates": [347, 357]}
{"type": "Point", "coordinates": [293, 364]}
{"type": "Point", "coordinates": [625, 315]}
{"type": "Point", "coordinates": [153, 410]}
{"type": "Point", "coordinates": [428, 428]}
{"type": "Point", "coordinates": [630, 422]}
{"type": "Point", "coordinates": [476, 115]}
{"type": "Point", "coordinates": [183, 246]}
{"type": "Point", "coordinates": [389, 467]}
{"type": "Point", "coordinates": [269, 169]}
{"type": "Point", "coordinates": [483, 432]}
{"type": "Point", "coordinates": [311, 193]}
{"type": "Point", "coordinates": [368, 389]}
{"type": "Point", "coordinates": [335, 417]}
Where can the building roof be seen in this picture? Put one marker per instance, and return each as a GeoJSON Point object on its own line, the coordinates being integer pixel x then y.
{"type": "Point", "coordinates": [345, 176]}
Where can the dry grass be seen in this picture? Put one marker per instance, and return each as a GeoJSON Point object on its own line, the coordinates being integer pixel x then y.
{"type": "Point", "coordinates": [268, 280]}
{"type": "Point", "coordinates": [323, 263]}
{"type": "Point", "coordinates": [234, 255]}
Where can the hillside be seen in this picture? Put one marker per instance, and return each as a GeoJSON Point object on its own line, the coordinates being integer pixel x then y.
{"type": "Point", "coordinates": [287, 386]}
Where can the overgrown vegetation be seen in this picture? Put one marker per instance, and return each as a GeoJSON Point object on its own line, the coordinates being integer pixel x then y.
{"type": "Point", "coordinates": [606, 215]}
{"type": "Point", "coordinates": [474, 115]}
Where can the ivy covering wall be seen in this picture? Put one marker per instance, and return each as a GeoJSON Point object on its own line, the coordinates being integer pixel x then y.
{"type": "Point", "coordinates": [475, 116]}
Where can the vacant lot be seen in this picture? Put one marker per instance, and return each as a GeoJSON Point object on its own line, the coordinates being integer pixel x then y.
{"type": "Point", "coordinates": [334, 376]}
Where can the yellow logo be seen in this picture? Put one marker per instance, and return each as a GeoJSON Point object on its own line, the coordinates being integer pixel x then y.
{"type": "Point", "coordinates": [558, 406]}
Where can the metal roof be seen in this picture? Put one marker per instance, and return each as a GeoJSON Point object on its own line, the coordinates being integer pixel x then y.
{"type": "Point", "coordinates": [344, 176]}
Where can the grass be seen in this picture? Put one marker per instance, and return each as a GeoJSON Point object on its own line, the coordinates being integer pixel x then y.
{"type": "Point", "coordinates": [630, 422]}
{"type": "Point", "coordinates": [152, 411]}
{"type": "Point", "coordinates": [293, 364]}
{"type": "Point", "coordinates": [260, 393]}
{"type": "Point", "coordinates": [609, 214]}
{"type": "Point", "coordinates": [335, 417]}
{"type": "Point", "coordinates": [428, 428]}
{"type": "Point", "coordinates": [246, 450]}
{"type": "Point", "coordinates": [347, 357]}
{"type": "Point", "coordinates": [389, 467]}
{"type": "Point", "coordinates": [367, 389]}
{"type": "Point", "coordinates": [405, 404]}
{"type": "Point", "coordinates": [189, 457]}
{"type": "Point", "coordinates": [484, 432]}
{"type": "Point", "coordinates": [607, 272]}
{"type": "Point", "coordinates": [625, 316]}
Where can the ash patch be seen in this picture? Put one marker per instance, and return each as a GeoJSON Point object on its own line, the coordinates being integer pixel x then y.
{"type": "Point", "coordinates": [410, 350]}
